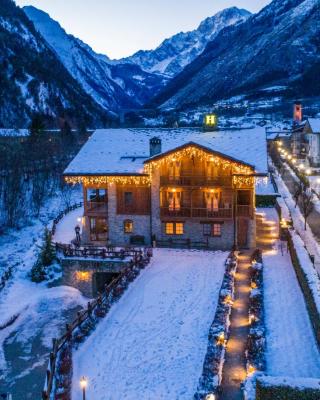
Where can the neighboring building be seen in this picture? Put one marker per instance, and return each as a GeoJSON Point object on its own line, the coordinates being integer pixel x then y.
{"type": "Point", "coordinates": [210, 122]}
{"type": "Point", "coordinates": [313, 137]}
{"type": "Point", "coordinates": [178, 187]}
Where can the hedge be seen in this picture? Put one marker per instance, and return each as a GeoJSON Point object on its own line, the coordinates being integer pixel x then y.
{"type": "Point", "coordinates": [307, 292]}
{"type": "Point", "coordinates": [268, 388]}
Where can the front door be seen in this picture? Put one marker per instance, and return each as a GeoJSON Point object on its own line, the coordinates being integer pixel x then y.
{"type": "Point", "coordinates": [243, 232]}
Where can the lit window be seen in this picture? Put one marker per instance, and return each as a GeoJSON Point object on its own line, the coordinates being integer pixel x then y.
{"type": "Point", "coordinates": [128, 226]}
{"type": "Point", "coordinates": [170, 228]}
{"type": "Point", "coordinates": [207, 229]}
{"type": "Point", "coordinates": [216, 230]}
{"type": "Point", "coordinates": [179, 228]}
{"type": "Point", "coordinates": [174, 228]}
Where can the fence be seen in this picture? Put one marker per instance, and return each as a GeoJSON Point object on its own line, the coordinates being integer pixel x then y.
{"type": "Point", "coordinates": [110, 290]}
{"type": "Point", "coordinates": [70, 251]}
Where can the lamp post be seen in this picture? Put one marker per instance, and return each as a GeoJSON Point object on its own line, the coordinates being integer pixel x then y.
{"type": "Point", "coordinates": [83, 385]}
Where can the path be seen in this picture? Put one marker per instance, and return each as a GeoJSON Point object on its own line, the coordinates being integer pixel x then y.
{"type": "Point", "coordinates": [153, 342]}
{"type": "Point", "coordinates": [234, 371]}
{"type": "Point", "coordinates": [291, 346]}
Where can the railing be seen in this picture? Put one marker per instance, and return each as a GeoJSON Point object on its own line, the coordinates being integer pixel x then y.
{"type": "Point", "coordinates": [69, 251]}
{"type": "Point", "coordinates": [194, 180]}
{"type": "Point", "coordinates": [188, 212]}
{"type": "Point", "coordinates": [110, 290]}
{"type": "Point", "coordinates": [97, 206]}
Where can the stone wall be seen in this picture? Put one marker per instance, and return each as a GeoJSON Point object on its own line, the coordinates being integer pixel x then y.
{"type": "Point", "coordinates": [83, 274]}
{"type": "Point", "coordinates": [141, 223]}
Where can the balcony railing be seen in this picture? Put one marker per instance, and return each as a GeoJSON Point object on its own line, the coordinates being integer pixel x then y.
{"type": "Point", "coordinates": [97, 206]}
{"type": "Point", "coordinates": [191, 212]}
{"type": "Point", "coordinates": [187, 212]}
{"type": "Point", "coordinates": [192, 180]}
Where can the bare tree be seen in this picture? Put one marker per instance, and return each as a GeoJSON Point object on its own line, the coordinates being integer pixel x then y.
{"type": "Point", "coordinates": [297, 192]}
{"type": "Point", "coordinates": [306, 205]}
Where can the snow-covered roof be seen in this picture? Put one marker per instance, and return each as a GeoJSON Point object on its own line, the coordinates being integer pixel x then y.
{"type": "Point", "coordinates": [124, 151]}
{"type": "Point", "coordinates": [315, 124]}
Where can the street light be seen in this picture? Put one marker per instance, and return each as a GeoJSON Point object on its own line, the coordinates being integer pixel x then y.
{"type": "Point", "coordinates": [83, 385]}
{"type": "Point", "coordinates": [210, 396]}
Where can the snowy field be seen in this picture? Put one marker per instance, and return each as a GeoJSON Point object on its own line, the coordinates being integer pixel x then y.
{"type": "Point", "coordinates": [153, 343]}
{"type": "Point", "coordinates": [291, 346]}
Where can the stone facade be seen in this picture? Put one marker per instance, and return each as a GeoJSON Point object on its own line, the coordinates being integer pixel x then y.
{"type": "Point", "coordinates": [117, 236]}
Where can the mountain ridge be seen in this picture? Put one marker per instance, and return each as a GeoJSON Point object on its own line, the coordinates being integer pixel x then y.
{"type": "Point", "coordinates": [279, 45]}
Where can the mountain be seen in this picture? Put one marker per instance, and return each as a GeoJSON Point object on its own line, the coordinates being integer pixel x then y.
{"type": "Point", "coordinates": [113, 85]}
{"type": "Point", "coordinates": [33, 80]}
{"type": "Point", "coordinates": [175, 53]}
{"type": "Point", "coordinates": [277, 48]}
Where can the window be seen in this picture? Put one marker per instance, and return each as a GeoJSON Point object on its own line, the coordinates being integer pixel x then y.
{"type": "Point", "coordinates": [213, 230]}
{"type": "Point", "coordinates": [128, 198]}
{"type": "Point", "coordinates": [128, 226]}
{"type": "Point", "coordinates": [98, 229]}
{"type": "Point", "coordinates": [216, 230]}
{"type": "Point", "coordinates": [179, 228]}
{"type": "Point", "coordinates": [174, 228]}
{"type": "Point", "coordinates": [207, 228]}
{"type": "Point", "coordinates": [170, 228]}
{"type": "Point", "coordinates": [96, 195]}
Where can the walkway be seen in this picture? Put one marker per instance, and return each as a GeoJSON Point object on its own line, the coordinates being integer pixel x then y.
{"type": "Point", "coordinates": [234, 371]}
{"type": "Point", "coordinates": [153, 342]}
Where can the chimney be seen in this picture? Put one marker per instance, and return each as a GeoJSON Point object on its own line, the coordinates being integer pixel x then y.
{"type": "Point", "coordinates": [155, 146]}
{"type": "Point", "coordinates": [297, 113]}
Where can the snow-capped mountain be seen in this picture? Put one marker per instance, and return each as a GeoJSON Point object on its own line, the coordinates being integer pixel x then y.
{"type": "Point", "coordinates": [178, 51]}
{"type": "Point", "coordinates": [33, 80]}
{"type": "Point", "coordinates": [276, 48]}
{"type": "Point", "coordinates": [113, 85]}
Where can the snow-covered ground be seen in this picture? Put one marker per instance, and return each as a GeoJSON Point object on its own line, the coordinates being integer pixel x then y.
{"type": "Point", "coordinates": [41, 310]}
{"type": "Point", "coordinates": [291, 346]}
{"type": "Point", "coordinates": [153, 343]}
{"type": "Point", "coordinates": [307, 236]}
{"type": "Point", "coordinates": [65, 232]}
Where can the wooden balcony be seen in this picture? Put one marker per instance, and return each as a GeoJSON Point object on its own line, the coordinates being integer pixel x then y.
{"type": "Point", "coordinates": [96, 207]}
{"type": "Point", "coordinates": [196, 181]}
{"type": "Point", "coordinates": [204, 213]}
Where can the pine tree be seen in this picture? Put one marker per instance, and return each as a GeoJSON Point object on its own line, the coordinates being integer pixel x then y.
{"type": "Point", "coordinates": [36, 127]}
{"type": "Point", "coordinates": [45, 258]}
{"type": "Point", "coordinates": [47, 254]}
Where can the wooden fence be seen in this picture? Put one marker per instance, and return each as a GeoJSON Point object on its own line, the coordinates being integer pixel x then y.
{"type": "Point", "coordinates": [142, 259]}
{"type": "Point", "coordinates": [70, 251]}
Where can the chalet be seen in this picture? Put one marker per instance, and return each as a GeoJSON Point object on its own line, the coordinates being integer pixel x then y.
{"type": "Point", "coordinates": [171, 187]}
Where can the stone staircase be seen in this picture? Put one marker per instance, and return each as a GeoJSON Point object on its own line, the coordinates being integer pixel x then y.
{"type": "Point", "coordinates": [267, 231]}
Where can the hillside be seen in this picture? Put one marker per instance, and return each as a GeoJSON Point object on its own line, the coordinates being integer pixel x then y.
{"type": "Point", "coordinates": [113, 85]}
{"type": "Point", "coordinates": [33, 80]}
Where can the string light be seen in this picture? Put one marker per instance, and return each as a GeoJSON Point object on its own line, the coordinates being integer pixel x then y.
{"type": "Point", "coordinates": [104, 180]}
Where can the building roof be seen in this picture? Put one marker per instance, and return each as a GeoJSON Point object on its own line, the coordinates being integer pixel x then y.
{"type": "Point", "coordinates": [124, 151]}
{"type": "Point", "coordinates": [315, 124]}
